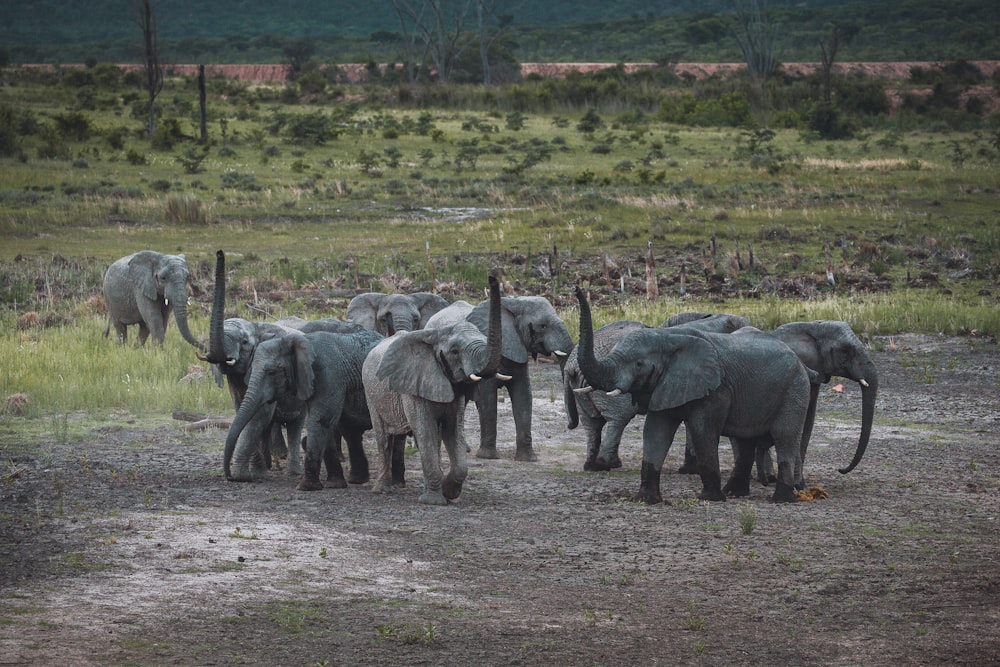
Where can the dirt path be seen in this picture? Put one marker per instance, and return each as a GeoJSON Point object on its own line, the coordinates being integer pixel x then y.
{"type": "Point", "coordinates": [126, 546]}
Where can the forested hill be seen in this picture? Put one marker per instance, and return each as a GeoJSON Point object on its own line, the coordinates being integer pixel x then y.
{"type": "Point", "coordinates": [245, 31]}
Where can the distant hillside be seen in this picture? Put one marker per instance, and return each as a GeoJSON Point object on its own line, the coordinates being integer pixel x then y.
{"type": "Point", "coordinates": [257, 31]}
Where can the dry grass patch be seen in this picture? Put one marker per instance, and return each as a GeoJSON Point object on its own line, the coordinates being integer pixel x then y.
{"type": "Point", "coordinates": [880, 164]}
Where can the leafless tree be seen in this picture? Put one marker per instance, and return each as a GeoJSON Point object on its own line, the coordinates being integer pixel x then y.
{"type": "Point", "coordinates": [757, 35]}
{"type": "Point", "coordinates": [441, 27]}
{"type": "Point", "coordinates": [145, 18]}
{"type": "Point", "coordinates": [491, 27]}
{"type": "Point", "coordinates": [840, 34]}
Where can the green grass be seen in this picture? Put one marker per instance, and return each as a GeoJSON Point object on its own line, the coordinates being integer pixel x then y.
{"type": "Point", "coordinates": [911, 230]}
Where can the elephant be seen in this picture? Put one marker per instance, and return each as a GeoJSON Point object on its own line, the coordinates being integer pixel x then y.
{"type": "Point", "coordinates": [531, 327]}
{"type": "Point", "coordinates": [598, 409]}
{"type": "Point", "coordinates": [418, 382]}
{"type": "Point", "coordinates": [389, 313]}
{"type": "Point", "coordinates": [745, 387]}
{"type": "Point", "coordinates": [144, 288]}
{"type": "Point", "coordinates": [830, 348]}
{"type": "Point", "coordinates": [232, 343]}
{"type": "Point", "coordinates": [318, 374]}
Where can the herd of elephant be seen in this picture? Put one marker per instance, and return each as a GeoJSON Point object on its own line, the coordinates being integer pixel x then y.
{"type": "Point", "coordinates": [406, 365]}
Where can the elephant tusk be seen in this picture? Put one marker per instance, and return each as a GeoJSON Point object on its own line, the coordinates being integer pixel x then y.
{"type": "Point", "coordinates": [560, 353]}
{"type": "Point", "coordinates": [503, 378]}
{"type": "Point", "coordinates": [863, 382]}
{"type": "Point", "coordinates": [583, 390]}
{"type": "Point", "coordinates": [615, 392]}
{"type": "Point", "coordinates": [230, 362]}
{"type": "Point", "coordinates": [474, 377]}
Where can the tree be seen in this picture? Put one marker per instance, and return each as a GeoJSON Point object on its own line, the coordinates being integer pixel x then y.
{"type": "Point", "coordinates": [491, 27]}
{"type": "Point", "coordinates": [298, 54]}
{"type": "Point", "coordinates": [756, 33]}
{"type": "Point", "coordinates": [840, 34]}
{"type": "Point", "coordinates": [440, 26]}
{"type": "Point", "coordinates": [145, 18]}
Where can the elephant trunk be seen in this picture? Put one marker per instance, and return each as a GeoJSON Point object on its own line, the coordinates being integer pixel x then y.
{"type": "Point", "coordinates": [252, 400]}
{"type": "Point", "coordinates": [569, 401]}
{"type": "Point", "coordinates": [597, 373]}
{"type": "Point", "coordinates": [869, 391]}
{"type": "Point", "coordinates": [493, 341]}
{"type": "Point", "coordinates": [216, 348]}
{"type": "Point", "coordinates": [178, 299]}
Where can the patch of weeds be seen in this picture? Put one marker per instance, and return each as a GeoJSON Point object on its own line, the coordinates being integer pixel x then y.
{"type": "Point", "coordinates": [240, 535]}
{"type": "Point", "coordinates": [294, 617]}
{"type": "Point", "coordinates": [408, 634]}
{"type": "Point", "coordinates": [686, 503]}
{"type": "Point", "coordinates": [747, 518]}
{"type": "Point", "coordinates": [794, 564]}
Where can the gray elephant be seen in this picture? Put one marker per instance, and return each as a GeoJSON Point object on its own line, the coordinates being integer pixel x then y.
{"type": "Point", "coordinates": [531, 327]}
{"type": "Point", "coordinates": [595, 409]}
{"type": "Point", "coordinates": [144, 288]}
{"type": "Point", "coordinates": [232, 343]}
{"type": "Point", "coordinates": [831, 348]}
{"type": "Point", "coordinates": [320, 374]}
{"type": "Point", "coordinates": [598, 409]}
{"type": "Point", "coordinates": [714, 384]}
{"type": "Point", "coordinates": [418, 382]}
{"type": "Point", "coordinates": [389, 313]}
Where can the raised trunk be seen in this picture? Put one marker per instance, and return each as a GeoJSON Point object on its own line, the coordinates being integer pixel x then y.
{"type": "Point", "coordinates": [493, 342]}
{"type": "Point", "coordinates": [179, 302]}
{"type": "Point", "coordinates": [868, 395]}
{"type": "Point", "coordinates": [216, 348]}
{"type": "Point", "coordinates": [597, 373]}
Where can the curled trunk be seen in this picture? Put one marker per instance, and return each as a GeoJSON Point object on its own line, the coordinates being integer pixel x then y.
{"type": "Point", "coordinates": [868, 395]}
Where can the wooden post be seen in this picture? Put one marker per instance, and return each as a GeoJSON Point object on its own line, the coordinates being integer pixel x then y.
{"type": "Point", "coordinates": [652, 288]}
{"type": "Point", "coordinates": [201, 102]}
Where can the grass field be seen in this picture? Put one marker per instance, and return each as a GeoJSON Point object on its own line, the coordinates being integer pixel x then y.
{"type": "Point", "coordinates": [314, 201]}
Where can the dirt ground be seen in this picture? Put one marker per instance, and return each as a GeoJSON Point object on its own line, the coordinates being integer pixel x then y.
{"type": "Point", "coordinates": [125, 545]}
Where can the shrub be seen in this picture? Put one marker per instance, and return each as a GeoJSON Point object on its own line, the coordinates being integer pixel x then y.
{"type": "Point", "coordinates": [185, 209]}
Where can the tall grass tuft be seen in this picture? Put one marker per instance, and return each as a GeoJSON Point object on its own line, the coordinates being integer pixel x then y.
{"type": "Point", "coordinates": [185, 209]}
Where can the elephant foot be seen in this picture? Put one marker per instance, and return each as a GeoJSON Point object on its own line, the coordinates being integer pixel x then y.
{"type": "Point", "coordinates": [591, 465]}
{"type": "Point", "coordinates": [336, 483]}
{"type": "Point", "coordinates": [688, 468]}
{"type": "Point", "coordinates": [358, 478]}
{"type": "Point", "coordinates": [525, 454]}
{"type": "Point", "coordinates": [450, 488]}
{"type": "Point", "coordinates": [713, 495]}
{"type": "Point", "coordinates": [382, 487]}
{"type": "Point", "coordinates": [487, 453]}
{"type": "Point", "coordinates": [399, 482]}
{"type": "Point", "coordinates": [432, 498]}
{"type": "Point", "coordinates": [783, 493]}
{"type": "Point", "coordinates": [739, 489]}
{"type": "Point", "coordinates": [649, 486]}
{"type": "Point", "coordinates": [310, 485]}
{"type": "Point", "coordinates": [601, 465]}
{"type": "Point", "coordinates": [295, 469]}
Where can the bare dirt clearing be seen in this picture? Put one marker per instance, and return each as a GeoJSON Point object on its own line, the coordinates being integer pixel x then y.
{"type": "Point", "coordinates": [120, 543]}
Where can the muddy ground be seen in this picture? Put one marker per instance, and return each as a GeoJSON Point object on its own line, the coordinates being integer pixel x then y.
{"type": "Point", "coordinates": [125, 545]}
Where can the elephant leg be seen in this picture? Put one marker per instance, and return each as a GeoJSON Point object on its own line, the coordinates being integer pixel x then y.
{"type": "Point", "coordinates": [293, 448]}
{"type": "Point", "coordinates": [122, 331]}
{"type": "Point", "coordinates": [143, 333]}
{"type": "Point", "coordinates": [152, 321]}
{"type": "Point", "coordinates": [690, 465]}
{"type": "Point", "coordinates": [451, 486]}
{"type": "Point", "coordinates": [248, 458]}
{"type": "Point", "coordinates": [356, 451]}
{"type": "Point", "coordinates": [385, 444]}
{"type": "Point", "coordinates": [319, 436]}
{"type": "Point", "coordinates": [609, 448]}
{"type": "Point", "coordinates": [705, 437]}
{"type": "Point", "coordinates": [593, 428]}
{"type": "Point", "coordinates": [486, 404]}
{"type": "Point", "coordinates": [657, 434]}
{"type": "Point", "coordinates": [787, 451]}
{"type": "Point", "coordinates": [398, 445]}
{"type": "Point", "coordinates": [765, 465]}
{"type": "Point", "coordinates": [738, 485]}
{"type": "Point", "coordinates": [429, 442]}
{"type": "Point", "coordinates": [520, 403]}
{"type": "Point", "coordinates": [807, 427]}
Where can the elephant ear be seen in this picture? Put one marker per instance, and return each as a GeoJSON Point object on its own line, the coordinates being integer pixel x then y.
{"type": "Point", "coordinates": [143, 264]}
{"type": "Point", "coordinates": [409, 366]}
{"type": "Point", "coordinates": [303, 355]}
{"type": "Point", "coordinates": [512, 345]}
{"type": "Point", "coordinates": [363, 309]}
{"type": "Point", "coordinates": [428, 304]}
{"type": "Point", "coordinates": [692, 371]}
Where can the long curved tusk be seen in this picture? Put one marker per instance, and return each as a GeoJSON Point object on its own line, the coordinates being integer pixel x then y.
{"type": "Point", "coordinates": [863, 382]}
{"type": "Point", "coordinates": [583, 390]}
{"type": "Point", "coordinates": [615, 392]}
{"type": "Point", "coordinates": [503, 378]}
{"type": "Point", "coordinates": [560, 353]}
